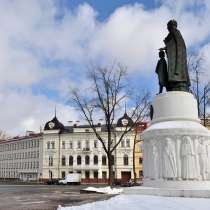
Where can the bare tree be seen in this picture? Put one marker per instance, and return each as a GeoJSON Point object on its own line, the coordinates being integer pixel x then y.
{"type": "Point", "coordinates": [106, 97]}
{"type": "Point", "coordinates": [3, 135]}
{"type": "Point", "coordinates": [199, 86]}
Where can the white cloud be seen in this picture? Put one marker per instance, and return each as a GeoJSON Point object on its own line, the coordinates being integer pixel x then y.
{"type": "Point", "coordinates": [21, 111]}
{"type": "Point", "coordinates": [36, 35]}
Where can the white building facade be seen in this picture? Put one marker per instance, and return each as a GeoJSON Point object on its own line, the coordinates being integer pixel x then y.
{"type": "Point", "coordinates": [20, 157]}
{"type": "Point", "coordinates": [61, 150]}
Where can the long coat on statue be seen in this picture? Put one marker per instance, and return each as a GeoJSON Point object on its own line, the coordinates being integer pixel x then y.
{"type": "Point", "coordinates": [161, 70]}
{"type": "Point", "coordinates": [177, 57]}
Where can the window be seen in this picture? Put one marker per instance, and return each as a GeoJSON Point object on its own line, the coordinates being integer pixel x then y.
{"type": "Point", "coordinates": [79, 145]}
{"type": "Point", "coordinates": [87, 145]}
{"type": "Point", "coordinates": [79, 160]}
{"type": "Point", "coordinates": [140, 173]}
{"type": "Point", "coordinates": [104, 160]}
{"type": "Point", "coordinates": [95, 160]}
{"type": "Point", "coordinates": [48, 145]}
{"type": "Point", "coordinates": [95, 174]}
{"type": "Point", "coordinates": [50, 161]}
{"type": "Point", "coordinates": [70, 145]}
{"type": "Point", "coordinates": [125, 160]}
{"type": "Point", "coordinates": [63, 174]}
{"type": "Point", "coordinates": [122, 143]}
{"type": "Point", "coordinates": [104, 175]}
{"type": "Point", "coordinates": [87, 174]}
{"type": "Point", "coordinates": [140, 160]}
{"type": "Point", "coordinates": [63, 145]}
{"type": "Point", "coordinates": [95, 144]}
{"type": "Point", "coordinates": [71, 160]}
{"type": "Point", "coordinates": [87, 160]}
{"type": "Point", "coordinates": [53, 145]}
{"type": "Point", "coordinates": [63, 161]}
{"type": "Point", "coordinates": [127, 142]}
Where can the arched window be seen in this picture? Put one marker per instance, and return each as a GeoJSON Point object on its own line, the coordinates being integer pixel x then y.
{"type": "Point", "coordinates": [87, 160]}
{"type": "Point", "coordinates": [63, 161]}
{"type": "Point", "coordinates": [95, 160]}
{"type": "Point", "coordinates": [125, 160]}
{"type": "Point", "coordinates": [104, 160]}
{"type": "Point", "coordinates": [79, 160]}
{"type": "Point", "coordinates": [71, 160]}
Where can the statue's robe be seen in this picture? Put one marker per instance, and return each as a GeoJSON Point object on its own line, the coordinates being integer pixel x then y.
{"type": "Point", "coordinates": [188, 161]}
{"type": "Point", "coordinates": [169, 162]}
{"type": "Point", "coordinates": [161, 70]}
{"type": "Point", "coordinates": [177, 58]}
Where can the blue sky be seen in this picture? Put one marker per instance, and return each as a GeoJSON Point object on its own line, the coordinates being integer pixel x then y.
{"type": "Point", "coordinates": [105, 8]}
{"type": "Point", "coordinates": [46, 46]}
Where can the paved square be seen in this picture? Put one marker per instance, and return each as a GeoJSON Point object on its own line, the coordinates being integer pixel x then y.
{"type": "Point", "coordinates": [44, 197]}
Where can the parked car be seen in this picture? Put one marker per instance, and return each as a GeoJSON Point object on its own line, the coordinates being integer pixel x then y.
{"type": "Point", "coordinates": [52, 181]}
{"type": "Point", "coordinates": [74, 178]}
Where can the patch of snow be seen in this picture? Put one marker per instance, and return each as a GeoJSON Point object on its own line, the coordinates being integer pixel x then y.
{"type": "Point", "coordinates": [144, 202]}
{"type": "Point", "coordinates": [105, 190]}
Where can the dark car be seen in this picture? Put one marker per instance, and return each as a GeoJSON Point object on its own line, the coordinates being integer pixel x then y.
{"type": "Point", "coordinates": [52, 181]}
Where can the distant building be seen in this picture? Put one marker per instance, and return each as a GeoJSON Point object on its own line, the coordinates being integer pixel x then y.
{"type": "Point", "coordinates": [138, 149]}
{"type": "Point", "coordinates": [207, 122]}
{"type": "Point", "coordinates": [20, 157]}
{"type": "Point", "coordinates": [60, 150]}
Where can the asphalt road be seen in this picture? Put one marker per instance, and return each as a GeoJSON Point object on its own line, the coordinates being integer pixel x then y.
{"type": "Point", "coordinates": [44, 197]}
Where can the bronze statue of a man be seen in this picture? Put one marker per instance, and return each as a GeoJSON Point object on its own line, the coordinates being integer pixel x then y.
{"type": "Point", "coordinates": [161, 70]}
{"type": "Point", "coordinates": [178, 77]}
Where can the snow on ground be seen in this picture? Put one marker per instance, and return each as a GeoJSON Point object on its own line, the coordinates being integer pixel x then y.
{"type": "Point", "coordinates": [105, 190]}
{"type": "Point", "coordinates": [144, 202]}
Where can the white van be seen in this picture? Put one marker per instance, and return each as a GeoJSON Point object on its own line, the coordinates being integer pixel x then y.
{"type": "Point", "coordinates": [74, 178]}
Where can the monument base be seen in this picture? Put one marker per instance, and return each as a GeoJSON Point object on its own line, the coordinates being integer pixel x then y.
{"type": "Point", "coordinates": [170, 192]}
{"type": "Point", "coordinates": [176, 147]}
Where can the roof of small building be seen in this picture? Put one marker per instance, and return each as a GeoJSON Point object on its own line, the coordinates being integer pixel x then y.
{"type": "Point", "coordinates": [125, 120]}
{"type": "Point", "coordinates": [54, 124]}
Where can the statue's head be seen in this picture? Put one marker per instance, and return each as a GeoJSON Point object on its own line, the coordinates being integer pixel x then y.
{"type": "Point", "coordinates": [161, 54]}
{"type": "Point", "coordinates": [171, 25]}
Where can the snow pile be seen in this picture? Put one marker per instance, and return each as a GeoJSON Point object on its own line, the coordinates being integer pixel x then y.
{"type": "Point", "coordinates": [105, 190]}
{"type": "Point", "coordinates": [144, 202]}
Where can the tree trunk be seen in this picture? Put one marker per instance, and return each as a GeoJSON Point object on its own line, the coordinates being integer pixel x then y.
{"type": "Point", "coordinates": [110, 167]}
{"type": "Point", "coordinates": [134, 160]}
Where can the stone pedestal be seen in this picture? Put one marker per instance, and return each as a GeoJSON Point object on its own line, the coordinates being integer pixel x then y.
{"type": "Point", "coordinates": [176, 147]}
